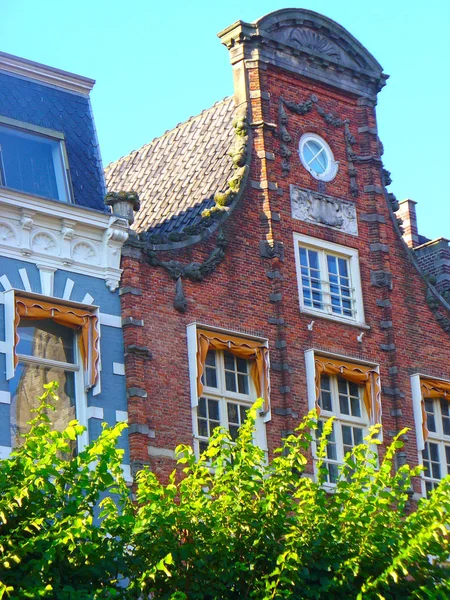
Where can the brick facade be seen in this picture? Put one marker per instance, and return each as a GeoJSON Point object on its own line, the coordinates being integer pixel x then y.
{"type": "Point", "coordinates": [255, 289]}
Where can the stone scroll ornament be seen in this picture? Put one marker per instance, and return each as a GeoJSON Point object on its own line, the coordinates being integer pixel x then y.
{"type": "Point", "coordinates": [302, 108]}
{"type": "Point", "coordinates": [194, 271]}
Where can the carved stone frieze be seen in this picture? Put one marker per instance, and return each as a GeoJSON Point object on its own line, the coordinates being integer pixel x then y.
{"type": "Point", "coordinates": [61, 236]}
{"type": "Point", "coordinates": [321, 209]}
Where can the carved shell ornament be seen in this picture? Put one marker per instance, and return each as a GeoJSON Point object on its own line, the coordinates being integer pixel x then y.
{"type": "Point", "coordinates": [315, 42]}
{"type": "Point", "coordinates": [83, 252]}
{"type": "Point", "coordinates": [6, 232]}
{"type": "Point", "coordinates": [42, 242]}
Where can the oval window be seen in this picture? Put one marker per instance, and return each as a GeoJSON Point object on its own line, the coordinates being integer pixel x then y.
{"type": "Point", "coordinates": [317, 158]}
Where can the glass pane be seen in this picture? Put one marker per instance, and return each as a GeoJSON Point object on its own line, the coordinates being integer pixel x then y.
{"type": "Point", "coordinates": [203, 446]}
{"type": "Point", "coordinates": [211, 377]}
{"type": "Point", "coordinates": [356, 407]}
{"type": "Point", "coordinates": [230, 381]}
{"type": "Point", "coordinates": [325, 382]}
{"type": "Point", "coordinates": [333, 472]}
{"type": "Point", "coordinates": [342, 385]}
{"type": "Point", "coordinates": [241, 365]}
{"type": "Point", "coordinates": [46, 339]}
{"type": "Point", "coordinates": [325, 401]}
{"type": "Point", "coordinates": [347, 435]}
{"type": "Point", "coordinates": [202, 427]}
{"type": "Point", "coordinates": [28, 162]}
{"type": "Point", "coordinates": [213, 409]}
{"type": "Point", "coordinates": [243, 384]}
{"type": "Point", "coordinates": [27, 385]}
{"type": "Point", "coordinates": [202, 407]}
{"type": "Point", "coordinates": [434, 452]}
{"type": "Point", "coordinates": [229, 361]}
{"type": "Point", "coordinates": [243, 414]}
{"type": "Point", "coordinates": [234, 429]}
{"type": "Point", "coordinates": [358, 437]}
{"type": "Point", "coordinates": [344, 406]}
{"type": "Point", "coordinates": [232, 413]}
{"type": "Point", "coordinates": [211, 358]}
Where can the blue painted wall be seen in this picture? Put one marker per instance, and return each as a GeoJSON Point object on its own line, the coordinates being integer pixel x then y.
{"type": "Point", "coordinates": [113, 391]}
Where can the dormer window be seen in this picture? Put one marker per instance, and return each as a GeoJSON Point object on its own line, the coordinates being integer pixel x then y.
{"type": "Point", "coordinates": [317, 158]}
{"type": "Point", "coordinates": [33, 162]}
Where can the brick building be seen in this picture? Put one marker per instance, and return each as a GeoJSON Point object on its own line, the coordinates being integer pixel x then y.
{"type": "Point", "coordinates": [267, 260]}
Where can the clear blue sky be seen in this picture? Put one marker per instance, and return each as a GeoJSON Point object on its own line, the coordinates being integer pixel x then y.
{"type": "Point", "coordinates": [157, 63]}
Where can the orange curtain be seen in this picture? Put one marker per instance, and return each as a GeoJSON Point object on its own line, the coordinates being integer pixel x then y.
{"type": "Point", "coordinates": [361, 375]}
{"type": "Point", "coordinates": [254, 351]}
{"type": "Point", "coordinates": [82, 320]}
{"type": "Point", "coordinates": [432, 388]}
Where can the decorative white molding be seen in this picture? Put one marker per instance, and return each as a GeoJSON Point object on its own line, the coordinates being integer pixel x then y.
{"type": "Point", "coordinates": [110, 320]}
{"type": "Point", "coordinates": [5, 451]}
{"type": "Point", "coordinates": [68, 288]}
{"type": "Point", "coordinates": [321, 209]}
{"type": "Point", "coordinates": [121, 416]}
{"type": "Point", "coordinates": [5, 397]}
{"type": "Point", "coordinates": [25, 280]}
{"type": "Point", "coordinates": [5, 283]}
{"type": "Point", "coordinates": [8, 302]}
{"type": "Point", "coordinates": [61, 235]}
{"type": "Point", "coordinates": [44, 74]}
{"type": "Point", "coordinates": [118, 368]}
{"type": "Point", "coordinates": [94, 412]}
{"type": "Point", "coordinates": [126, 470]}
{"type": "Point", "coordinates": [88, 299]}
{"type": "Point", "coordinates": [416, 393]}
{"type": "Point", "coordinates": [47, 275]}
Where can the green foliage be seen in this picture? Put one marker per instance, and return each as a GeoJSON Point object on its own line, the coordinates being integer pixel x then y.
{"type": "Point", "coordinates": [229, 525]}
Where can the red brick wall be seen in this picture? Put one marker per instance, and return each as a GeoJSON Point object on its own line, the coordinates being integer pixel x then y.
{"type": "Point", "coordinates": [404, 336]}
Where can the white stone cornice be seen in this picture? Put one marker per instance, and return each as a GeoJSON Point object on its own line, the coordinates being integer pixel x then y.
{"type": "Point", "coordinates": [57, 235]}
{"type": "Point", "coordinates": [46, 75]}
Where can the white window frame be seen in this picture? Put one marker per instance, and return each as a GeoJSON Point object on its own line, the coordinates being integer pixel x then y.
{"type": "Point", "coordinates": [220, 394]}
{"type": "Point", "coordinates": [324, 248]}
{"type": "Point", "coordinates": [80, 392]}
{"type": "Point", "coordinates": [59, 156]}
{"type": "Point", "coordinates": [332, 165]}
{"type": "Point", "coordinates": [435, 437]}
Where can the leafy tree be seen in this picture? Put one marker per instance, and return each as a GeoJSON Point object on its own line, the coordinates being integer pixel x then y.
{"type": "Point", "coordinates": [229, 525]}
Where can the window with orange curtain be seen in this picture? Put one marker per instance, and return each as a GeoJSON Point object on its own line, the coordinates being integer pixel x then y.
{"type": "Point", "coordinates": [351, 394]}
{"type": "Point", "coordinates": [53, 342]}
{"type": "Point", "coordinates": [232, 372]}
{"type": "Point", "coordinates": [436, 431]}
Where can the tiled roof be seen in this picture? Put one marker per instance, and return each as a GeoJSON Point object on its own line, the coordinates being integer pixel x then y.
{"type": "Point", "coordinates": [177, 174]}
{"type": "Point", "coordinates": [31, 102]}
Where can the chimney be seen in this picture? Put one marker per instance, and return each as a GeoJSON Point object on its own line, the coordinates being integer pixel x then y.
{"type": "Point", "coordinates": [407, 213]}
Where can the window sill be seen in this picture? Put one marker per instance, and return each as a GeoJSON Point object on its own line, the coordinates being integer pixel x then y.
{"type": "Point", "coordinates": [337, 319]}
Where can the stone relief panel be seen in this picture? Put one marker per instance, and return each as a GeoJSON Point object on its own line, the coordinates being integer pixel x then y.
{"type": "Point", "coordinates": [321, 209]}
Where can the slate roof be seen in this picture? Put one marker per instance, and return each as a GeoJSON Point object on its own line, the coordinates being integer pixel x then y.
{"type": "Point", "coordinates": [177, 174]}
{"type": "Point", "coordinates": [70, 113]}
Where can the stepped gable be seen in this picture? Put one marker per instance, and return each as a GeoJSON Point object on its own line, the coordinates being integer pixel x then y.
{"type": "Point", "coordinates": [177, 174]}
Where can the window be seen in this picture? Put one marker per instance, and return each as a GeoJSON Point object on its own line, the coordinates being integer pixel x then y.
{"type": "Point", "coordinates": [342, 399]}
{"type": "Point", "coordinates": [436, 452]}
{"type": "Point", "coordinates": [348, 391]}
{"type": "Point", "coordinates": [431, 404]}
{"type": "Point", "coordinates": [227, 374]}
{"type": "Point", "coordinates": [33, 163]}
{"type": "Point", "coordinates": [227, 395]}
{"type": "Point", "coordinates": [53, 342]}
{"type": "Point", "coordinates": [317, 158]}
{"type": "Point", "coordinates": [46, 352]}
{"type": "Point", "coordinates": [329, 279]}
